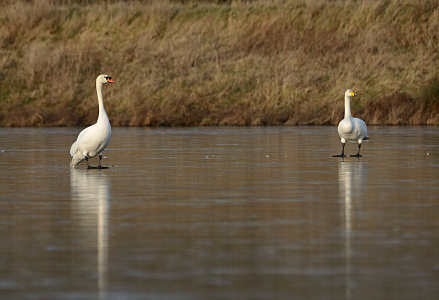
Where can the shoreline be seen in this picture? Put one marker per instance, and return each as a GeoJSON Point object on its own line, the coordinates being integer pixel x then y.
{"type": "Point", "coordinates": [205, 64]}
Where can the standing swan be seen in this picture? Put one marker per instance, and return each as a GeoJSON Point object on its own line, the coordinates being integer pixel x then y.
{"type": "Point", "coordinates": [351, 129]}
{"type": "Point", "coordinates": [93, 139]}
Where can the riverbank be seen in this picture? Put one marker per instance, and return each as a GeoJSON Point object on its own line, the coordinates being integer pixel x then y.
{"type": "Point", "coordinates": [243, 63]}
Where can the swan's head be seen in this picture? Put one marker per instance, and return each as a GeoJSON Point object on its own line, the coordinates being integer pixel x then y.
{"type": "Point", "coordinates": [350, 93]}
{"type": "Point", "coordinates": [104, 79]}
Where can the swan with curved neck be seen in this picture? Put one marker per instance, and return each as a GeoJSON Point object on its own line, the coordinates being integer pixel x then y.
{"type": "Point", "coordinates": [351, 129]}
{"type": "Point", "coordinates": [93, 139]}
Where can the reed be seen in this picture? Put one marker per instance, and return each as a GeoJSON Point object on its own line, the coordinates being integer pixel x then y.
{"type": "Point", "coordinates": [219, 62]}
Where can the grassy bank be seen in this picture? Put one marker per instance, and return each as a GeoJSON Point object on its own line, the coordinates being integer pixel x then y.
{"type": "Point", "coordinates": [203, 63]}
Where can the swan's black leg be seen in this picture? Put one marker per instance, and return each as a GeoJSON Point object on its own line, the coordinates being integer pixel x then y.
{"type": "Point", "coordinates": [342, 151]}
{"type": "Point", "coordinates": [358, 153]}
{"type": "Point", "coordinates": [100, 158]}
{"type": "Point", "coordinates": [88, 165]}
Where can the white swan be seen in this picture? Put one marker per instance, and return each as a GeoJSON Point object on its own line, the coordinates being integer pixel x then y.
{"type": "Point", "coordinates": [351, 129]}
{"type": "Point", "coordinates": [93, 139]}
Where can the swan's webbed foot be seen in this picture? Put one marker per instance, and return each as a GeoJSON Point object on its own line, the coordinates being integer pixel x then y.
{"type": "Point", "coordinates": [342, 151]}
{"type": "Point", "coordinates": [358, 153]}
{"type": "Point", "coordinates": [97, 168]}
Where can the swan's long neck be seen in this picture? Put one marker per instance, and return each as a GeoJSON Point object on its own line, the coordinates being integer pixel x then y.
{"type": "Point", "coordinates": [347, 107]}
{"type": "Point", "coordinates": [102, 113]}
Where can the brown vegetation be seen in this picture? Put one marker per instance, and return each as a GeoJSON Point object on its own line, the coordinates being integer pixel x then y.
{"type": "Point", "coordinates": [233, 63]}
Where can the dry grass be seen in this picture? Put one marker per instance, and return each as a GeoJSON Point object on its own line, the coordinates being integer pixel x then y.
{"type": "Point", "coordinates": [204, 63]}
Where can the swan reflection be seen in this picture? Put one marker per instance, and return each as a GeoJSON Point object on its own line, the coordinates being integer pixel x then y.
{"type": "Point", "coordinates": [90, 194]}
{"type": "Point", "coordinates": [351, 178]}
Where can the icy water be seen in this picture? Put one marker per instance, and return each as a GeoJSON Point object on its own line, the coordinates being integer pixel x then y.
{"type": "Point", "coordinates": [221, 213]}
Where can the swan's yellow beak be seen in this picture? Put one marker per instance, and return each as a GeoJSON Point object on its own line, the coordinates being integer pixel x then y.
{"type": "Point", "coordinates": [353, 94]}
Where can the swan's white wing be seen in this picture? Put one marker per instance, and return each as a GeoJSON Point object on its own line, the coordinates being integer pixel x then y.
{"type": "Point", "coordinates": [81, 135]}
{"type": "Point", "coordinates": [360, 128]}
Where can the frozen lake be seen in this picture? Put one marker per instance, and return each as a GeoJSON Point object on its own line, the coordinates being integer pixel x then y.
{"type": "Point", "coordinates": [221, 213]}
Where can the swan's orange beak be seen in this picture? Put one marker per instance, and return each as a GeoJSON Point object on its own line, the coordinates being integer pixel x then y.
{"type": "Point", "coordinates": [110, 81]}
